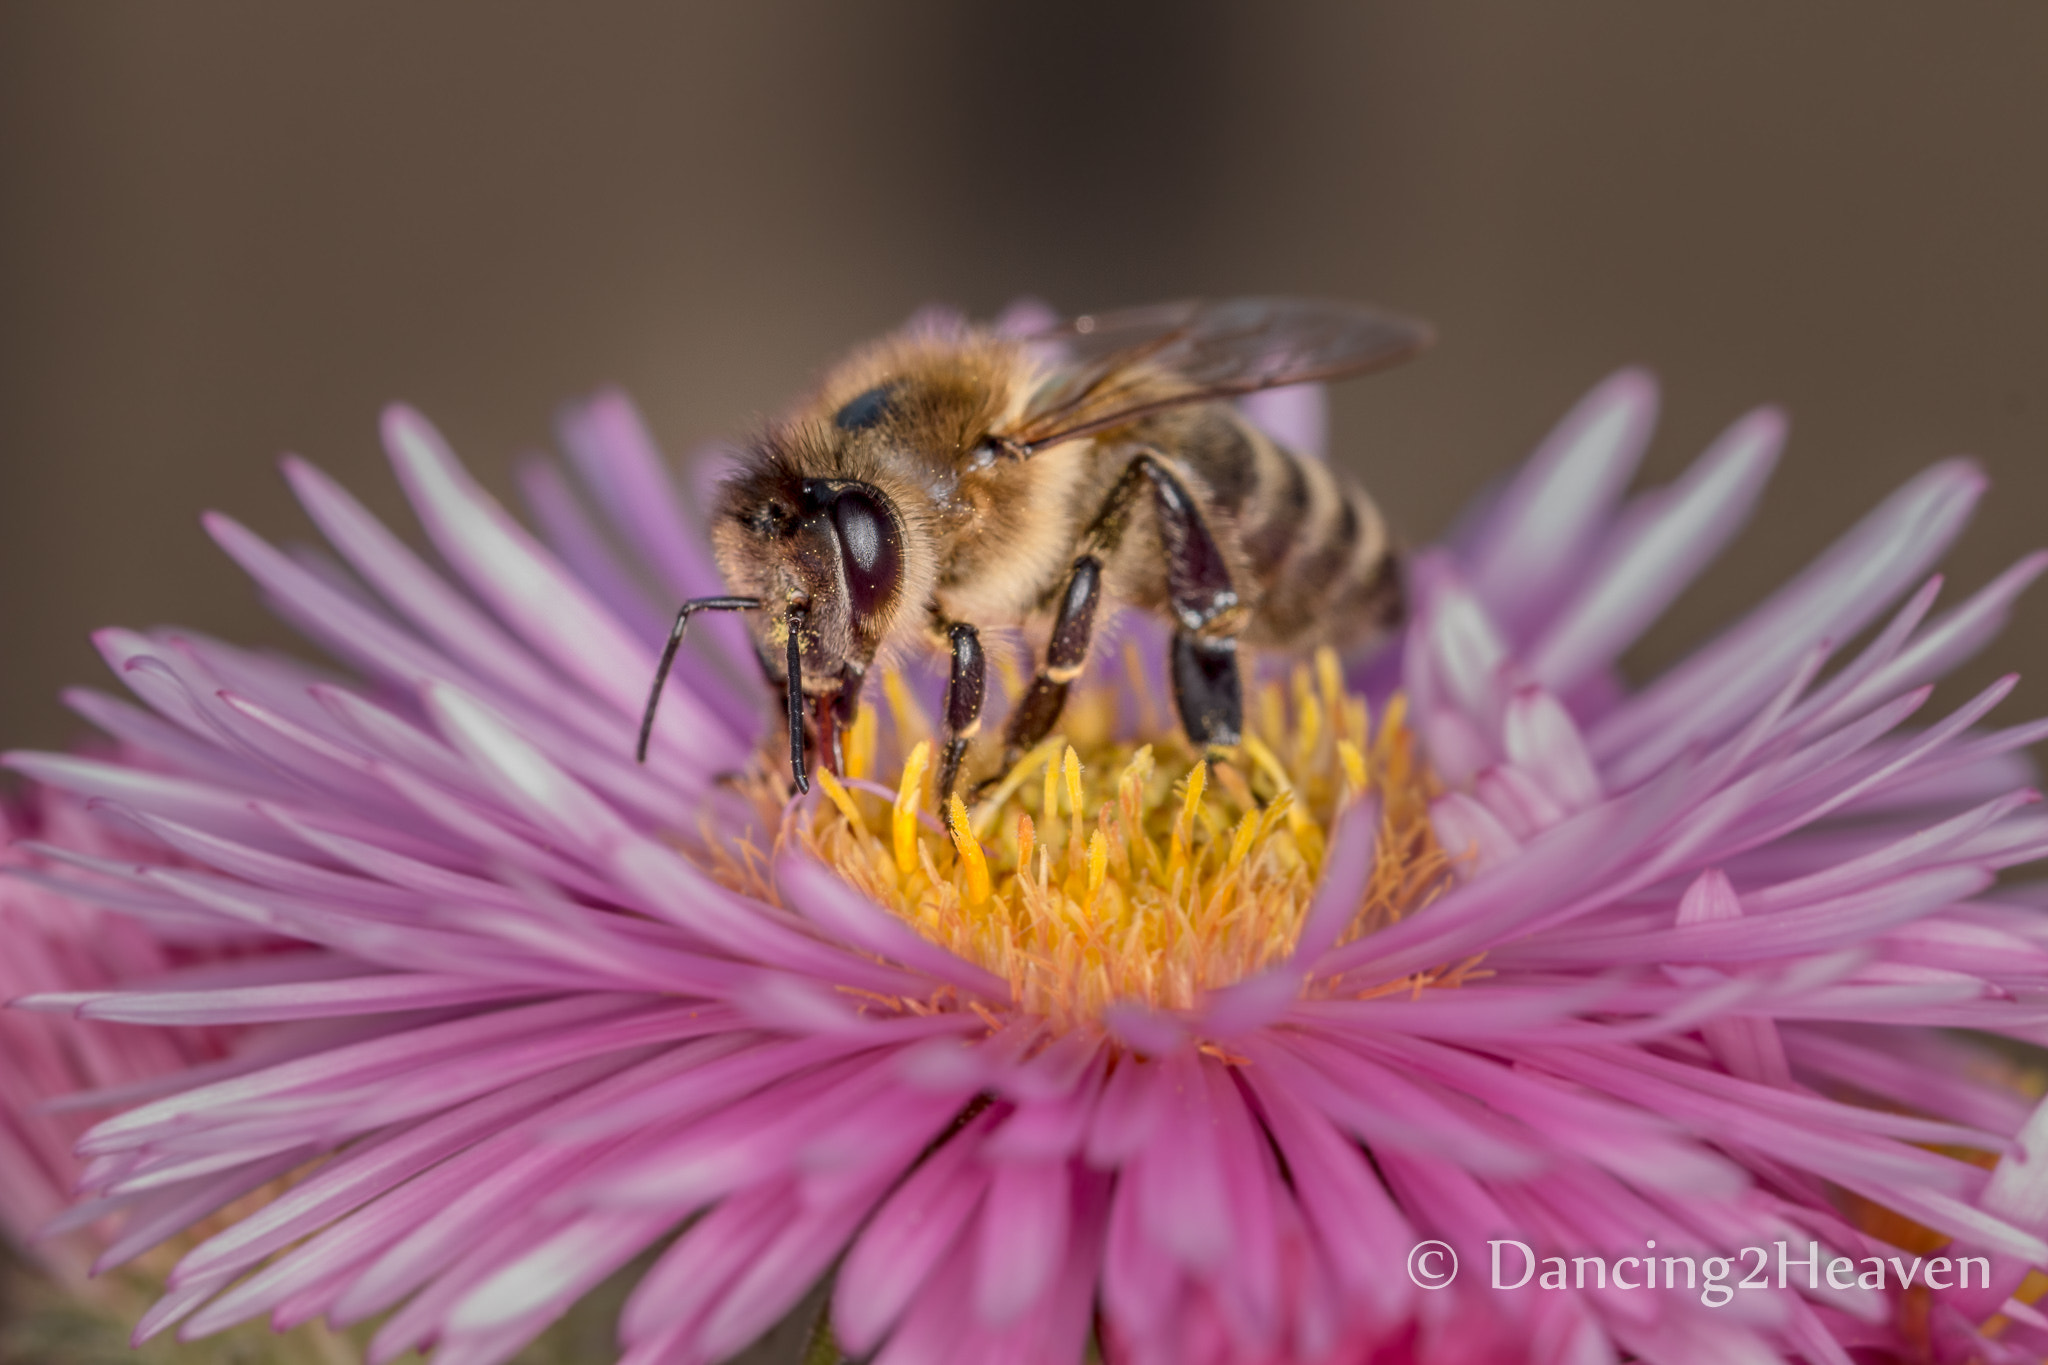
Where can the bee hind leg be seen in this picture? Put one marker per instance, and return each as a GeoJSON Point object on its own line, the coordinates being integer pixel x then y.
{"type": "Point", "coordinates": [1206, 689]}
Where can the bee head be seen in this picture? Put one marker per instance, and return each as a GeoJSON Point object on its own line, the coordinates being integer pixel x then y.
{"type": "Point", "coordinates": [825, 556]}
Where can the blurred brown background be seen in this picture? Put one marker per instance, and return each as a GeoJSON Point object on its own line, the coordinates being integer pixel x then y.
{"type": "Point", "coordinates": [231, 229]}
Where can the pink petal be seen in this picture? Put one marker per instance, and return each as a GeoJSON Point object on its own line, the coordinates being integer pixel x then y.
{"type": "Point", "coordinates": [904, 1244]}
{"type": "Point", "coordinates": [1660, 547]}
{"type": "Point", "coordinates": [1022, 1236]}
{"type": "Point", "coordinates": [1538, 531]}
{"type": "Point", "coordinates": [551, 610]}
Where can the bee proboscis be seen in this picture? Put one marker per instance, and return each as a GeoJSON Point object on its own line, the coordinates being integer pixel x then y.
{"type": "Point", "coordinates": [940, 482]}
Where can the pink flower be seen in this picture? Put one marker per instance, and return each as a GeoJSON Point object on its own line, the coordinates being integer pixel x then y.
{"type": "Point", "coordinates": [53, 943]}
{"type": "Point", "coordinates": [1190, 1066]}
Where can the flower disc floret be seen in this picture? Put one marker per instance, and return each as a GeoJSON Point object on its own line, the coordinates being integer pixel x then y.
{"type": "Point", "coordinates": [1101, 870]}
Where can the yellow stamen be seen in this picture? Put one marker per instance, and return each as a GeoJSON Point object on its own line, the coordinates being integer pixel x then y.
{"type": "Point", "coordinates": [1354, 768]}
{"type": "Point", "coordinates": [1330, 683]}
{"type": "Point", "coordinates": [1241, 842]}
{"type": "Point", "coordinates": [1308, 724]}
{"type": "Point", "coordinates": [1132, 873]}
{"type": "Point", "coordinates": [1269, 762]}
{"type": "Point", "coordinates": [1184, 826]}
{"type": "Point", "coordinates": [907, 793]}
{"type": "Point", "coordinates": [860, 744]}
{"type": "Point", "coordinates": [1013, 781]}
{"type": "Point", "coordinates": [841, 798]}
{"type": "Point", "coordinates": [972, 860]}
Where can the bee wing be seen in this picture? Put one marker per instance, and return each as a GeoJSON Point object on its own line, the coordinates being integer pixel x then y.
{"type": "Point", "coordinates": [1120, 366]}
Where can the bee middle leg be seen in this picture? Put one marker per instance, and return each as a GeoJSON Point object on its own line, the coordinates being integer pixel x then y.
{"type": "Point", "coordinates": [1205, 604]}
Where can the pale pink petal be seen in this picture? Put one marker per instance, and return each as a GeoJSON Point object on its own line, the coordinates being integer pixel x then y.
{"type": "Point", "coordinates": [1542, 524]}
{"type": "Point", "coordinates": [1658, 549]}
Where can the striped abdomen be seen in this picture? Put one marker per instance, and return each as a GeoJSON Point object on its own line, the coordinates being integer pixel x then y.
{"type": "Point", "coordinates": [1321, 566]}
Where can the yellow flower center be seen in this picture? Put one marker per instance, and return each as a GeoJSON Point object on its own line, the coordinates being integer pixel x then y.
{"type": "Point", "coordinates": [1099, 871]}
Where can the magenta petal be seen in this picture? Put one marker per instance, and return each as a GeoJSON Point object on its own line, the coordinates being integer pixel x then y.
{"type": "Point", "coordinates": [547, 1279]}
{"type": "Point", "coordinates": [691, 1275]}
{"type": "Point", "coordinates": [907, 1239]}
{"type": "Point", "coordinates": [1134, 1103]}
{"type": "Point", "coordinates": [366, 1171]}
{"type": "Point", "coordinates": [415, 590]}
{"type": "Point", "coordinates": [1140, 1283]}
{"type": "Point", "coordinates": [940, 1325]}
{"type": "Point", "coordinates": [1022, 1236]}
{"type": "Point", "coordinates": [779, 1274]}
{"type": "Point", "coordinates": [1179, 1177]}
{"type": "Point", "coordinates": [1357, 1226]}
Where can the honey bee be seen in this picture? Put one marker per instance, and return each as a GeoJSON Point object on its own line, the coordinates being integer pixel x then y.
{"type": "Point", "coordinates": [939, 483]}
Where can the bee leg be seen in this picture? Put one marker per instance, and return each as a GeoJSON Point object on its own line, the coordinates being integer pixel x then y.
{"type": "Point", "coordinates": [1205, 605]}
{"type": "Point", "coordinates": [1206, 689]}
{"type": "Point", "coordinates": [794, 698]}
{"type": "Point", "coordinates": [1065, 652]}
{"type": "Point", "coordinates": [1198, 585]}
{"type": "Point", "coordinates": [1072, 628]}
{"type": "Point", "coordinates": [964, 692]}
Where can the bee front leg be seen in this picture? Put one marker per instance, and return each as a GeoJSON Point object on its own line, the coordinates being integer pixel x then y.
{"type": "Point", "coordinates": [965, 690]}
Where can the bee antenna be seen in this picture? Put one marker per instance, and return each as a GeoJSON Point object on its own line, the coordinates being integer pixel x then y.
{"type": "Point", "coordinates": [668, 656]}
{"type": "Point", "coordinates": [796, 699]}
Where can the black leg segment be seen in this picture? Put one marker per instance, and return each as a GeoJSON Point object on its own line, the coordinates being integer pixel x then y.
{"type": "Point", "coordinates": [796, 699]}
{"type": "Point", "coordinates": [1206, 690]}
{"type": "Point", "coordinates": [965, 690]}
{"type": "Point", "coordinates": [1197, 578]}
{"type": "Point", "coordinates": [1199, 590]}
{"type": "Point", "coordinates": [1064, 654]}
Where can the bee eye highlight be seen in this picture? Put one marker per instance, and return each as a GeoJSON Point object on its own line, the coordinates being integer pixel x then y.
{"type": "Point", "coordinates": [868, 548]}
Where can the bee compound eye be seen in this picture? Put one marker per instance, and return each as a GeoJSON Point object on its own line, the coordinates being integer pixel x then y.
{"type": "Point", "coordinates": [868, 547]}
